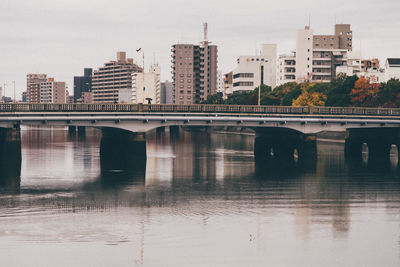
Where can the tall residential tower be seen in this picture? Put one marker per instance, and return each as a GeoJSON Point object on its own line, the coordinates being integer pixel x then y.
{"type": "Point", "coordinates": [194, 69]}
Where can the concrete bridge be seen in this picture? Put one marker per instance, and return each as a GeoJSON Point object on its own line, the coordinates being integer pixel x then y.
{"type": "Point", "coordinates": [281, 132]}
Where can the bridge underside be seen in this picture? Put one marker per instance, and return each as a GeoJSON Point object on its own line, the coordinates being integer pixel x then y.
{"type": "Point", "coordinates": [121, 149]}
{"type": "Point", "coordinates": [284, 146]}
{"type": "Point", "coordinates": [379, 142]}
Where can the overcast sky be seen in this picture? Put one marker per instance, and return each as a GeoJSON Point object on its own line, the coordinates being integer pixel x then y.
{"type": "Point", "coordinates": [61, 37]}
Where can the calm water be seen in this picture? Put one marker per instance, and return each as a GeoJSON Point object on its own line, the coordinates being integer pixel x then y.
{"type": "Point", "coordinates": [200, 200]}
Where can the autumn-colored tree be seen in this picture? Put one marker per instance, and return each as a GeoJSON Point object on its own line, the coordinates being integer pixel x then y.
{"type": "Point", "coordinates": [364, 94]}
{"type": "Point", "coordinates": [306, 98]}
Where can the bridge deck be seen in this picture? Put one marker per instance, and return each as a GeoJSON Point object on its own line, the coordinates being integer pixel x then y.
{"type": "Point", "coordinates": [166, 108]}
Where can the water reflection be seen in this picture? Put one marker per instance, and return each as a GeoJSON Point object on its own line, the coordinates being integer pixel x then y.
{"type": "Point", "coordinates": [202, 179]}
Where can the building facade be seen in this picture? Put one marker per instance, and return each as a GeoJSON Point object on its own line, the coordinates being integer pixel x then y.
{"type": "Point", "coordinates": [392, 69]}
{"type": "Point", "coordinates": [228, 84]}
{"type": "Point", "coordinates": [251, 71]}
{"type": "Point", "coordinates": [53, 92]}
{"type": "Point", "coordinates": [318, 56]}
{"type": "Point", "coordinates": [33, 86]}
{"type": "Point", "coordinates": [270, 53]}
{"type": "Point", "coordinates": [112, 77]}
{"type": "Point", "coordinates": [166, 92]}
{"type": "Point", "coordinates": [367, 64]}
{"type": "Point", "coordinates": [194, 71]}
{"type": "Point", "coordinates": [341, 39]}
{"type": "Point", "coordinates": [82, 84]}
{"type": "Point", "coordinates": [147, 88]}
{"type": "Point", "coordinates": [286, 69]}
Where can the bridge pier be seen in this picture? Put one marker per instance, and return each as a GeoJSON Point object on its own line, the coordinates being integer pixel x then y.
{"type": "Point", "coordinates": [71, 130]}
{"type": "Point", "coordinates": [10, 158]}
{"type": "Point", "coordinates": [280, 144]}
{"type": "Point", "coordinates": [378, 140]}
{"type": "Point", "coordinates": [121, 150]}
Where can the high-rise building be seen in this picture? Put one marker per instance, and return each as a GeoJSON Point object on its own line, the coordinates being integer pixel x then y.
{"type": "Point", "coordinates": [114, 76]}
{"type": "Point", "coordinates": [148, 88]}
{"type": "Point", "coordinates": [270, 54]}
{"type": "Point", "coordinates": [194, 69]}
{"type": "Point", "coordinates": [53, 92]}
{"type": "Point", "coordinates": [33, 86]}
{"type": "Point", "coordinates": [166, 93]}
{"type": "Point", "coordinates": [82, 84]}
{"type": "Point", "coordinates": [318, 56]}
{"type": "Point", "coordinates": [304, 53]}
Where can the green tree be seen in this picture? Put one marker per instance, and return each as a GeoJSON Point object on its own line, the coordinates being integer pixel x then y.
{"type": "Point", "coordinates": [214, 99]}
{"type": "Point", "coordinates": [340, 87]}
{"type": "Point", "coordinates": [389, 95]}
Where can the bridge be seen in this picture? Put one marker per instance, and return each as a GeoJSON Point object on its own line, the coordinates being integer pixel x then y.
{"type": "Point", "coordinates": [280, 131]}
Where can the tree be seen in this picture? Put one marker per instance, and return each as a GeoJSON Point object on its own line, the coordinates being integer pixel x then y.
{"type": "Point", "coordinates": [214, 99]}
{"type": "Point", "coordinates": [389, 95]}
{"type": "Point", "coordinates": [338, 94]}
{"type": "Point", "coordinates": [364, 94]}
{"type": "Point", "coordinates": [310, 99]}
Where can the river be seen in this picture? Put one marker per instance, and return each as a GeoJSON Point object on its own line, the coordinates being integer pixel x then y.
{"type": "Point", "coordinates": [200, 199]}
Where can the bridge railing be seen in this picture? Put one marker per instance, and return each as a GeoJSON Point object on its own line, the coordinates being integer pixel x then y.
{"type": "Point", "coordinates": [169, 108]}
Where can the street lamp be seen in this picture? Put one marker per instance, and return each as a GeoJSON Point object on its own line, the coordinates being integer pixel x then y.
{"type": "Point", "coordinates": [261, 82]}
{"type": "Point", "coordinates": [14, 91]}
{"type": "Point", "coordinates": [144, 88]}
{"type": "Point", "coordinates": [4, 93]}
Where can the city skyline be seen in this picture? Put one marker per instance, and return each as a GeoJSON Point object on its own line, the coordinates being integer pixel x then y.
{"type": "Point", "coordinates": [61, 39]}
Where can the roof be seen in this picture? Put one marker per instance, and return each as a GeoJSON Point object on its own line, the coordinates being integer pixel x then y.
{"type": "Point", "coordinates": [393, 61]}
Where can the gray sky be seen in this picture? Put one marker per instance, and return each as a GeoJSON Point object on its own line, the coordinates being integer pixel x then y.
{"type": "Point", "coordinates": [61, 37]}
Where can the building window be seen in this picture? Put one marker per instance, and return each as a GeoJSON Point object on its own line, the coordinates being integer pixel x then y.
{"type": "Point", "coordinates": [181, 86]}
{"type": "Point", "coordinates": [189, 80]}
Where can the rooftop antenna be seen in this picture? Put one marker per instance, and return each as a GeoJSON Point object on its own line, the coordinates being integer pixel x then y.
{"type": "Point", "coordinates": [309, 20]}
{"type": "Point", "coordinates": [205, 30]}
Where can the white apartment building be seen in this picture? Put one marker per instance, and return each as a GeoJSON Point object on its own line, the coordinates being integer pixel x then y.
{"type": "Point", "coordinates": [270, 53]}
{"type": "Point", "coordinates": [250, 72]}
{"type": "Point", "coordinates": [318, 56]}
{"type": "Point", "coordinates": [304, 54]}
{"type": "Point", "coordinates": [286, 69]}
{"type": "Point", "coordinates": [147, 88]}
{"type": "Point", "coordinates": [392, 69]}
{"type": "Point", "coordinates": [53, 92]}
